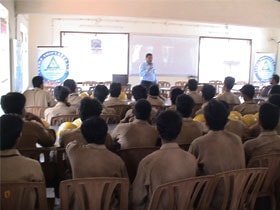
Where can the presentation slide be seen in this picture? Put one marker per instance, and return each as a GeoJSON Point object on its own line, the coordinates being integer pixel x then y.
{"type": "Point", "coordinates": [85, 57]}
{"type": "Point", "coordinates": [176, 56]}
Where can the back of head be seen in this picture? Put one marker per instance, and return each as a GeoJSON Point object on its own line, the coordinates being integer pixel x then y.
{"type": "Point", "coordinates": [208, 92]}
{"type": "Point", "coordinates": [71, 85]}
{"type": "Point", "coordinates": [61, 93]}
{"type": "Point", "coordinates": [275, 90]}
{"type": "Point", "coordinates": [139, 92]}
{"type": "Point", "coordinates": [142, 110]}
{"type": "Point", "coordinates": [101, 92]}
{"type": "Point", "coordinates": [275, 79]}
{"type": "Point", "coordinates": [89, 108]}
{"type": "Point", "coordinates": [248, 91]}
{"type": "Point", "coordinates": [216, 115]}
{"type": "Point", "coordinates": [169, 124]}
{"type": "Point", "coordinates": [174, 94]}
{"type": "Point", "coordinates": [154, 90]}
{"type": "Point", "coordinates": [274, 99]}
{"type": "Point", "coordinates": [192, 84]}
{"type": "Point", "coordinates": [115, 89]}
{"type": "Point", "coordinates": [185, 105]}
{"type": "Point", "coordinates": [268, 116]}
{"type": "Point", "coordinates": [37, 81]}
{"type": "Point", "coordinates": [94, 130]}
{"type": "Point", "coordinates": [229, 83]}
{"type": "Point", "coordinates": [11, 127]}
{"type": "Point", "coordinates": [13, 102]}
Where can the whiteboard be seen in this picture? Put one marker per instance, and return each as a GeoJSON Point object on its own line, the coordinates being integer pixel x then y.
{"type": "Point", "coordinates": [173, 55]}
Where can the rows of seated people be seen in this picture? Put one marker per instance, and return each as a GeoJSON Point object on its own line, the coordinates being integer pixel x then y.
{"type": "Point", "coordinates": [217, 143]}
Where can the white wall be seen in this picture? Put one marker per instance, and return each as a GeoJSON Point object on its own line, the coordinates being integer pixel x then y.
{"type": "Point", "coordinates": [45, 30]}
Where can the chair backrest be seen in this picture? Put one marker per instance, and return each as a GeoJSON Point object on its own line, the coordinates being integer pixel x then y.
{"type": "Point", "coordinates": [20, 195]}
{"type": "Point", "coordinates": [36, 110]}
{"type": "Point", "coordinates": [272, 162]}
{"type": "Point", "coordinates": [132, 158]}
{"type": "Point", "coordinates": [164, 84]}
{"type": "Point", "coordinates": [239, 188]}
{"type": "Point", "coordinates": [184, 194]}
{"type": "Point", "coordinates": [180, 83]}
{"type": "Point", "coordinates": [121, 109]}
{"type": "Point", "coordinates": [94, 193]}
{"type": "Point", "coordinates": [58, 120]}
{"type": "Point", "coordinates": [111, 118]}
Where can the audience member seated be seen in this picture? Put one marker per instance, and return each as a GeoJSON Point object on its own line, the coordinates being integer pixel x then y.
{"type": "Point", "coordinates": [100, 93]}
{"type": "Point", "coordinates": [249, 106]}
{"type": "Point", "coordinates": [268, 142]}
{"type": "Point", "coordinates": [170, 163]}
{"type": "Point", "coordinates": [88, 108]}
{"type": "Point", "coordinates": [154, 96]}
{"type": "Point", "coordinates": [274, 90]}
{"type": "Point", "coordinates": [192, 87]}
{"type": "Point", "coordinates": [218, 150]}
{"type": "Point", "coordinates": [190, 129]}
{"type": "Point", "coordinates": [37, 96]}
{"type": "Point", "coordinates": [274, 81]}
{"type": "Point", "coordinates": [208, 92]}
{"type": "Point", "coordinates": [115, 91]}
{"type": "Point", "coordinates": [33, 132]}
{"type": "Point", "coordinates": [73, 99]}
{"type": "Point", "coordinates": [227, 95]}
{"type": "Point", "coordinates": [138, 92]}
{"type": "Point", "coordinates": [62, 107]}
{"type": "Point", "coordinates": [175, 92]}
{"type": "Point", "coordinates": [138, 133]}
{"type": "Point", "coordinates": [93, 159]}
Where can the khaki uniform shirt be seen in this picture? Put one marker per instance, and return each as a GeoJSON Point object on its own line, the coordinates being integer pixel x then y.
{"type": "Point", "coordinates": [218, 151]}
{"type": "Point", "coordinates": [38, 97]}
{"type": "Point", "coordinates": [112, 101]}
{"type": "Point", "coordinates": [93, 160]}
{"type": "Point", "coordinates": [129, 116]}
{"type": "Point", "coordinates": [201, 110]}
{"type": "Point", "coordinates": [268, 142]}
{"type": "Point", "coordinates": [32, 133]}
{"type": "Point", "coordinates": [155, 101]}
{"type": "Point", "coordinates": [238, 128]}
{"type": "Point", "coordinates": [70, 135]}
{"type": "Point", "coordinates": [17, 168]}
{"type": "Point", "coordinates": [59, 109]}
{"type": "Point", "coordinates": [138, 133]}
{"type": "Point", "coordinates": [248, 107]}
{"type": "Point", "coordinates": [190, 131]}
{"type": "Point", "coordinates": [75, 100]}
{"type": "Point", "coordinates": [228, 97]}
{"type": "Point", "coordinates": [170, 163]}
{"type": "Point", "coordinates": [196, 97]}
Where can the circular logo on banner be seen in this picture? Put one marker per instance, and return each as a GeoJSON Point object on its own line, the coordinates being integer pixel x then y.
{"type": "Point", "coordinates": [264, 68]}
{"type": "Point", "coordinates": [53, 66]}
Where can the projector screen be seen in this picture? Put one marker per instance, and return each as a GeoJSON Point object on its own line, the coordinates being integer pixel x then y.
{"type": "Point", "coordinates": [176, 56]}
{"type": "Point", "coordinates": [95, 56]}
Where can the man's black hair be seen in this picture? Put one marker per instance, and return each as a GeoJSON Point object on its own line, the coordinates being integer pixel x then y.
{"type": "Point", "coordinates": [89, 108]}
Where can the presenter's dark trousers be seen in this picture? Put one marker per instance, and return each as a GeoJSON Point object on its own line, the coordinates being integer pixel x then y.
{"type": "Point", "coordinates": [147, 84]}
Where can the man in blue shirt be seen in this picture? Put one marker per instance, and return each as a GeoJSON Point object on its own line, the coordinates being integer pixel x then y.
{"type": "Point", "coordinates": [148, 72]}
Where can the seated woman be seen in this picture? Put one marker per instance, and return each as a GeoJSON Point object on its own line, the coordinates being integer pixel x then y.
{"type": "Point", "coordinates": [62, 107]}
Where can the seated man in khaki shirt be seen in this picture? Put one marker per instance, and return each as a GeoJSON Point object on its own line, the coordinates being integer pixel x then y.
{"type": "Point", "coordinates": [227, 95]}
{"type": "Point", "coordinates": [138, 133]}
{"type": "Point", "coordinates": [115, 91]}
{"type": "Point", "coordinates": [100, 93]}
{"type": "Point", "coordinates": [38, 96]}
{"type": "Point", "coordinates": [192, 86]}
{"type": "Point", "coordinates": [168, 164]}
{"type": "Point", "coordinates": [62, 107]}
{"type": "Point", "coordinates": [93, 159]}
{"type": "Point", "coordinates": [88, 108]}
{"type": "Point", "coordinates": [33, 132]}
{"type": "Point", "coordinates": [174, 93]}
{"type": "Point", "coordinates": [14, 166]}
{"type": "Point", "coordinates": [218, 150]}
{"type": "Point", "coordinates": [190, 129]}
{"type": "Point", "coordinates": [154, 96]}
{"type": "Point", "coordinates": [208, 92]}
{"type": "Point", "coordinates": [73, 98]}
{"type": "Point", "coordinates": [268, 142]}
{"type": "Point", "coordinates": [249, 106]}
